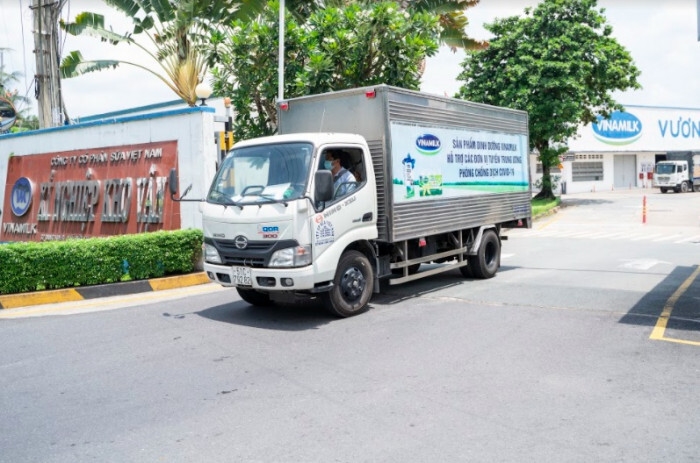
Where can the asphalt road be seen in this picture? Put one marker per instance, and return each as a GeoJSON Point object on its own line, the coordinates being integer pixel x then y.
{"type": "Point", "coordinates": [585, 347]}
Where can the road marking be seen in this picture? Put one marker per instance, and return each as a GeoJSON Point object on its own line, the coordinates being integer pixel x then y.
{"type": "Point", "coordinates": [659, 331]}
{"type": "Point", "coordinates": [642, 264]}
{"type": "Point", "coordinates": [549, 222]}
{"type": "Point", "coordinates": [692, 238]}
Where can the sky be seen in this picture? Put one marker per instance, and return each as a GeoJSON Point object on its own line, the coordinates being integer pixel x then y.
{"type": "Point", "coordinates": [661, 35]}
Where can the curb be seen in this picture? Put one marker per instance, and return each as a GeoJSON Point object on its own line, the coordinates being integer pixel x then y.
{"type": "Point", "coordinates": [12, 301]}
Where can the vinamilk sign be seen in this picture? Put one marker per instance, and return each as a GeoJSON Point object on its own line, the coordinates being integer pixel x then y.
{"type": "Point", "coordinates": [640, 128]}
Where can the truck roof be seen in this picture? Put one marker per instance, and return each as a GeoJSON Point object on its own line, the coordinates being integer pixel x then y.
{"type": "Point", "coordinates": [311, 137]}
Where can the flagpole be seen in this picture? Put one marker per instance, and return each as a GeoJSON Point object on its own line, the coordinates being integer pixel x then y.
{"type": "Point", "coordinates": [280, 69]}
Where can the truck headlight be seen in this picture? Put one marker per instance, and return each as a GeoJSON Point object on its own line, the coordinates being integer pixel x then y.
{"type": "Point", "coordinates": [211, 254]}
{"type": "Point", "coordinates": [297, 256]}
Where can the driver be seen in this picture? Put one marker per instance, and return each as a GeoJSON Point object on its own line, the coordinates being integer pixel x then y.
{"type": "Point", "coordinates": [343, 180]}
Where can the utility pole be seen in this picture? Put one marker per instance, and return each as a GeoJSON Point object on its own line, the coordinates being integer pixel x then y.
{"type": "Point", "coordinates": [47, 80]}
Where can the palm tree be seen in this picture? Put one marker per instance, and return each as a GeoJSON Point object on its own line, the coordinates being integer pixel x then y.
{"type": "Point", "coordinates": [175, 29]}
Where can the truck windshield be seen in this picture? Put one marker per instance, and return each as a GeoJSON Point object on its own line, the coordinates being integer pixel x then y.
{"type": "Point", "coordinates": [262, 174]}
{"type": "Point", "coordinates": [665, 168]}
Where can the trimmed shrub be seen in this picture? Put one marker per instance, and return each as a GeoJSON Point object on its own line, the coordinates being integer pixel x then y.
{"type": "Point", "coordinates": [62, 264]}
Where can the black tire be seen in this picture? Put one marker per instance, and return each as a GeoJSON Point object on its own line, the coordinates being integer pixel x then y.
{"type": "Point", "coordinates": [254, 297]}
{"type": "Point", "coordinates": [352, 286]}
{"type": "Point", "coordinates": [684, 187]}
{"type": "Point", "coordinates": [466, 271]}
{"type": "Point", "coordinates": [487, 260]}
{"type": "Point", "coordinates": [663, 190]}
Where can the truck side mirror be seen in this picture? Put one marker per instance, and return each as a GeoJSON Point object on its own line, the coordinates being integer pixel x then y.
{"type": "Point", "coordinates": [172, 185]}
{"type": "Point", "coordinates": [323, 182]}
{"type": "Point", "coordinates": [173, 181]}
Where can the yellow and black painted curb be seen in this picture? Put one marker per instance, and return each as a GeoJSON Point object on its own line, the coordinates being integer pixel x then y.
{"type": "Point", "coordinates": [12, 301]}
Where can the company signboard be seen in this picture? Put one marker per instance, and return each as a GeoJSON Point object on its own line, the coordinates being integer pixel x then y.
{"type": "Point", "coordinates": [85, 193]}
{"type": "Point", "coordinates": [640, 128]}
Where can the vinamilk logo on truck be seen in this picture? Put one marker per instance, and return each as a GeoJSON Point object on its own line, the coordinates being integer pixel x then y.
{"type": "Point", "coordinates": [621, 129]}
{"type": "Point", "coordinates": [428, 144]}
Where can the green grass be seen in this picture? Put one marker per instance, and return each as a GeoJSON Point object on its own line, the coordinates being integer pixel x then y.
{"type": "Point", "coordinates": [541, 206]}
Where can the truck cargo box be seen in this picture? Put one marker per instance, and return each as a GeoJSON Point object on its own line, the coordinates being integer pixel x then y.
{"type": "Point", "coordinates": [440, 163]}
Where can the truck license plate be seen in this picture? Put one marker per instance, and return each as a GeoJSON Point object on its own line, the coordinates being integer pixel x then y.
{"type": "Point", "coordinates": [240, 276]}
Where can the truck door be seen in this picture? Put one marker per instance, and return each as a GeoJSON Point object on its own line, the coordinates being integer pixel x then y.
{"type": "Point", "coordinates": [352, 207]}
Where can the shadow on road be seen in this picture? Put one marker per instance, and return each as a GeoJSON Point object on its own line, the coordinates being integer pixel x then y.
{"type": "Point", "coordinates": [584, 202]}
{"type": "Point", "coordinates": [293, 315]}
{"type": "Point", "coordinates": [678, 293]}
{"type": "Point", "coordinates": [428, 285]}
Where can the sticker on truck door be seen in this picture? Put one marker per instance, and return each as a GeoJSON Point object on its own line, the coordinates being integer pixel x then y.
{"type": "Point", "coordinates": [325, 233]}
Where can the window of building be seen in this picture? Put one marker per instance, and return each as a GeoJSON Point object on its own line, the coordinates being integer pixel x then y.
{"type": "Point", "coordinates": [586, 171]}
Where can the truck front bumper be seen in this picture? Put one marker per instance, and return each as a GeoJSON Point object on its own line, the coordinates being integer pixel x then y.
{"type": "Point", "coordinates": [265, 279]}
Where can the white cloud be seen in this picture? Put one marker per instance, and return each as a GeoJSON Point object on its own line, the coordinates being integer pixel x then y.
{"type": "Point", "coordinates": [661, 36]}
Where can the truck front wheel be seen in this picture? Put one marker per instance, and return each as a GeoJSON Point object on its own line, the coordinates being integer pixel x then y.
{"type": "Point", "coordinates": [664, 190]}
{"type": "Point", "coordinates": [254, 297]}
{"type": "Point", "coordinates": [684, 187]}
{"type": "Point", "coordinates": [352, 286]}
{"type": "Point", "coordinates": [487, 260]}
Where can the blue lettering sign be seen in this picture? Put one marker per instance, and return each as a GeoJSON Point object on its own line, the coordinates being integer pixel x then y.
{"type": "Point", "coordinates": [621, 129]}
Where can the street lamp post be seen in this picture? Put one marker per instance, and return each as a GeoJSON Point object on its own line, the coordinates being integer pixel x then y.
{"type": "Point", "coordinates": [280, 69]}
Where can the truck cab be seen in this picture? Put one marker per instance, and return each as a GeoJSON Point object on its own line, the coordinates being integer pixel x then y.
{"type": "Point", "coordinates": [679, 171]}
{"type": "Point", "coordinates": [272, 219]}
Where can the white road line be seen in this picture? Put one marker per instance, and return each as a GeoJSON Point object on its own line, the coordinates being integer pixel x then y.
{"type": "Point", "coordinates": [692, 238]}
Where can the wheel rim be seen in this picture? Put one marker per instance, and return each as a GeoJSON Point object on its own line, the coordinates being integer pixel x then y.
{"type": "Point", "coordinates": [352, 284]}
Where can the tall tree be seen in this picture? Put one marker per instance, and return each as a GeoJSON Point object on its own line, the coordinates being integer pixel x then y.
{"type": "Point", "coordinates": [453, 21]}
{"type": "Point", "coordinates": [171, 32]}
{"type": "Point", "coordinates": [335, 48]}
{"type": "Point", "coordinates": [560, 63]}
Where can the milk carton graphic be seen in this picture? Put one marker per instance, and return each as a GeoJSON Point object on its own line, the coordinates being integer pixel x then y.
{"type": "Point", "coordinates": [408, 165]}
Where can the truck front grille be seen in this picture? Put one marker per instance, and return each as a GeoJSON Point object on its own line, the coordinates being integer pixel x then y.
{"type": "Point", "coordinates": [256, 253]}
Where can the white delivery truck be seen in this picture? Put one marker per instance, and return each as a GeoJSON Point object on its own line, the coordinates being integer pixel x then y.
{"type": "Point", "coordinates": [435, 181]}
{"type": "Point", "coordinates": [680, 172]}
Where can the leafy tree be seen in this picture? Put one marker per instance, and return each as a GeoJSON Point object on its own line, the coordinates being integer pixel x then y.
{"type": "Point", "coordinates": [335, 48]}
{"type": "Point", "coordinates": [560, 63]}
{"type": "Point", "coordinates": [172, 33]}
{"type": "Point", "coordinates": [453, 21]}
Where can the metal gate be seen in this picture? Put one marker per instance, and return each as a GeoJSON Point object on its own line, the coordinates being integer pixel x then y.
{"type": "Point", "coordinates": [625, 169]}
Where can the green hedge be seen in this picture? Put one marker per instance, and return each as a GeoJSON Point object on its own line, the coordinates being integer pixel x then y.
{"type": "Point", "coordinates": [28, 267]}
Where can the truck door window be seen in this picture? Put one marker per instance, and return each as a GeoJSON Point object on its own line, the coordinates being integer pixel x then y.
{"type": "Point", "coordinates": [347, 168]}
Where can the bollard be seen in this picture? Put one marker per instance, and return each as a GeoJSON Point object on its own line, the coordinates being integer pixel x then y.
{"type": "Point", "coordinates": [644, 209]}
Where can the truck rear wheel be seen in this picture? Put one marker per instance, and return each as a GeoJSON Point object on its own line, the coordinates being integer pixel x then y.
{"type": "Point", "coordinates": [487, 260]}
{"type": "Point", "coordinates": [254, 297]}
{"type": "Point", "coordinates": [352, 286]}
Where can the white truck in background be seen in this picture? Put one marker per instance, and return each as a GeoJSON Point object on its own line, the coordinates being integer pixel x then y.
{"type": "Point", "coordinates": [680, 172]}
{"type": "Point", "coordinates": [437, 180]}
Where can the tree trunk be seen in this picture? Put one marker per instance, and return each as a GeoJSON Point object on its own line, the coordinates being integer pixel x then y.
{"type": "Point", "coordinates": [546, 192]}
